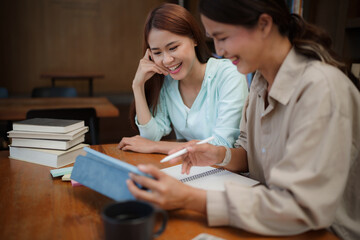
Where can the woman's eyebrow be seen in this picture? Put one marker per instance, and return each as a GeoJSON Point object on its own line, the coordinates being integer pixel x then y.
{"type": "Point", "coordinates": [170, 43]}
{"type": "Point", "coordinates": [214, 34]}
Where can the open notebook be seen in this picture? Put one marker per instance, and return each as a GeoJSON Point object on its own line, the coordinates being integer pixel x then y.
{"type": "Point", "coordinates": [208, 178]}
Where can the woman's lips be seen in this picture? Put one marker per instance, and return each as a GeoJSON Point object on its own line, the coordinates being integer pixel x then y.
{"type": "Point", "coordinates": [236, 61]}
{"type": "Point", "coordinates": [175, 69]}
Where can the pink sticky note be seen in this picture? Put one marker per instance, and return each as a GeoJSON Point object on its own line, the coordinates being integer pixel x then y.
{"type": "Point", "coordinates": [75, 183]}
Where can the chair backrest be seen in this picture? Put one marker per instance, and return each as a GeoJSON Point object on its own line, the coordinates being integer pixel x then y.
{"type": "Point", "coordinates": [54, 92]}
{"type": "Point", "coordinates": [86, 114]}
{"type": "Point", "coordinates": [4, 93]}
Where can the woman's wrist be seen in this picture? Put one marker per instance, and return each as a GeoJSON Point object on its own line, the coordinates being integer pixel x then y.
{"type": "Point", "coordinates": [224, 156]}
{"type": "Point", "coordinates": [158, 147]}
{"type": "Point", "coordinates": [136, 87]}
{"type": "Point", "coordinates": [165, 146]}
{"type": "Point", "coordinates": [195, 200]}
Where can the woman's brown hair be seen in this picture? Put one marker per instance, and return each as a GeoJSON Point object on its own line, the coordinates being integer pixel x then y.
{"type": "Point", "coordinates": [306, 38]}
{"type": "Point", "coordinates": [177, 20]}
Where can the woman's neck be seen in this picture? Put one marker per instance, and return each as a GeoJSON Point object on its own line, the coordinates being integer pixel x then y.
{"type": "Point", "coordinates": [190, 86]}
{"type": "Point", "coordinates": [195, 77]}
{"type": "Point", "coordinates": [276, 51]}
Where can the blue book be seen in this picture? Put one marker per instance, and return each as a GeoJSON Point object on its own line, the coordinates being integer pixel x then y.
{"type": "Point", "coordinates": [104, 174]}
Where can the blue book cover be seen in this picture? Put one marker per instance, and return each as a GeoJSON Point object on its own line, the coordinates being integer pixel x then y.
{"type": "Point", "coordinates": [104, 174]}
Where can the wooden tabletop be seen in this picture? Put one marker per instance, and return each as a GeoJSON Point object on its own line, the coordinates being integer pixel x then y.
{"type": "Point", "coordinates": [33, 205]}
{"type": "Point", "coordinates": [16, 108]}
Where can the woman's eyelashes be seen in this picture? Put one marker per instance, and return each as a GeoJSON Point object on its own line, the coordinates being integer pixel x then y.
{"type": "Point", "coordinates": [173, 48]}
{"type": "Point", "coordinates": [170, 49]}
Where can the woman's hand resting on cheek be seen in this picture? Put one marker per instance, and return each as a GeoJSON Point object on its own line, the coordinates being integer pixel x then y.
{"type": "Point", "coordinates": [146, 69]}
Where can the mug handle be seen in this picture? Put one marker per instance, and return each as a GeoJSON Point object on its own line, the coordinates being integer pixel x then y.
{"type": "Point", "coordinates": [164, 222]}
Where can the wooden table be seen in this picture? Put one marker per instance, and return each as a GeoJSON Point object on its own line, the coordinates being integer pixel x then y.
{"type": "Point", "coordinates": [73, 76]}
{"type": "Point", "coordinates": [33, 205]}
{"type": "Point", "coordinates": [16, 108]}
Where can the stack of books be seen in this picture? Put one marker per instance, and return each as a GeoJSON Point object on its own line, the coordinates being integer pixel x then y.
{"type": "Point", "coordinates": [46, 141]}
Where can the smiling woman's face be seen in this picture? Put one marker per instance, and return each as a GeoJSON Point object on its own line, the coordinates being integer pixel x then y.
{"type": "Point", "coordinates": [241, 45]}
{"type": "Point", "coordinates": [174, 52]}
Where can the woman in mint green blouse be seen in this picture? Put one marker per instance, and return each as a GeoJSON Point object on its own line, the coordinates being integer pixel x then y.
{"type": "Point", "coordinates": [177, 85]}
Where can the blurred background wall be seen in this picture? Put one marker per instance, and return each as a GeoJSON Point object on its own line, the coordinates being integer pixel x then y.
{"type": "Point", "coordinates": [40, 36]}
{"type": "Point", "coordinates": [105, 36]}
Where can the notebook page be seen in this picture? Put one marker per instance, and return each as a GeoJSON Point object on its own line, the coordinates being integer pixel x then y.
{"type": "Point", "coordinates": [214, 181]}
{"type": "Point", "coordinates": [175, 171]}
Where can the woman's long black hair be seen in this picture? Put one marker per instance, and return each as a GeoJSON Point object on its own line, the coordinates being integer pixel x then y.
{"type": "Point", "coordinates": [306, 38]}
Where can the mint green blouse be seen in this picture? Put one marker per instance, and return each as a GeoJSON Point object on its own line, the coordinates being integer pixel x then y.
{"type": "Point", "coordinates": [216, 110]}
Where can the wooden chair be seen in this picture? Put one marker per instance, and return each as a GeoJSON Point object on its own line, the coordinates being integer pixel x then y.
{"type": "Point", "coordinates": [86, 114]}
{"type": "Point", "coordinates": [54, 92]}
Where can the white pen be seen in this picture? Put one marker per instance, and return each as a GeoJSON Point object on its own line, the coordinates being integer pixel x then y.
{"type": "Point", "coordinates": [183, 151]}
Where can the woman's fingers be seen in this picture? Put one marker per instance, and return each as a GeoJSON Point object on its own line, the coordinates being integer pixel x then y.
{"type": "Point", "coordinates": [138, 193]}
{"type": "Point", "coordinates": [147, 182]}
{"type": "Point", "coordinates": [149, 66]}
{"type": "Point", "coordinates": [164, 70]}
{"type": "Point", "coordinates": [123, 142]}
{"type": "Point", "coordinates": [186, 167]}
{"type": "Point", "coordinates": [151, 170]}
{"type": "Point", "coordinates": [147, 54]}
{"type": "Point", "coordinates": [185, 145]}
{"type": "Point", "coordinates": [126, 142]}
{"type": "Point", "coordinates": [177, 160]}
{"type": "Point", "coordinates": [197, 155]}
{"type": "Point", "coordinates": [148, 59]}
{"type": "Point", "coordinates": [128, 148]}
{"type": "Point", "coordinates": [151, 57]}
{"type": "Point", "coordinates": [160, 69]}
{"type": "Point", "coordinates": [164, 191]}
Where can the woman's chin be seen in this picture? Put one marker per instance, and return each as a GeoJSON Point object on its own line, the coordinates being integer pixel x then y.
{"type": "Point", "coordinates": [244, 70]}
{"type": "Point", "coordinates": [176, 76]}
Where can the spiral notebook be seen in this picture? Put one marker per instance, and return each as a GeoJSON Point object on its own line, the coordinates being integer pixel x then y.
{"type": "Point", "coordinates": [208, 178]}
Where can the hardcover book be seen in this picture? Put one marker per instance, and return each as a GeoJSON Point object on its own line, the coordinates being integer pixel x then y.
{"type": "Point", "coordinates": [48, 125]}
{"type": "Point", "coordinates": [47, 157]}
{"type": "Point", "coordinates": [45, 143]}
{"type": "Point", "coordinates": [104, 174]}
{"type": "Point", "coordinates": [46, 135]}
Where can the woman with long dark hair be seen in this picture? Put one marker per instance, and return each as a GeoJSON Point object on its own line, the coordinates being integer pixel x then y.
{"type": "Point", "coordinates": [299, 134]}
{"type": "Point", "coordinates": [178, 85]}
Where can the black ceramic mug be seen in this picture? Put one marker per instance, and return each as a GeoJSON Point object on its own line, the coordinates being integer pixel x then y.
{"type": "Point", "coordinates": [132, 220]}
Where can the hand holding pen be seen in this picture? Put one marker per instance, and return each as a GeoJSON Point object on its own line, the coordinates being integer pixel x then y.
{"type": "Point", "coordinates": [183, 151]}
